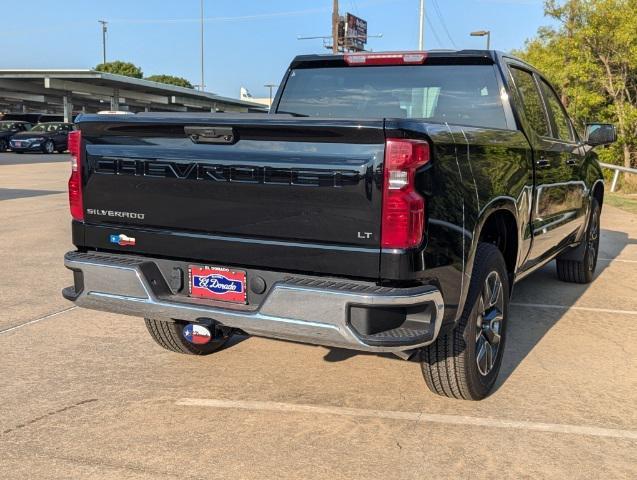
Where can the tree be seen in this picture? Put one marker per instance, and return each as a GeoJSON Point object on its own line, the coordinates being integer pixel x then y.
{"type": "Point", "coordinates": [171, 80]}
{"type": "Point", "coordinates": [121, 68]}
{"type": "Point", "coordinates": [592, 58]}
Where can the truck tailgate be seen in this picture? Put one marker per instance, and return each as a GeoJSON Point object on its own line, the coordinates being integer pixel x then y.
{"type": "Point", "coordinates": [256, 179]}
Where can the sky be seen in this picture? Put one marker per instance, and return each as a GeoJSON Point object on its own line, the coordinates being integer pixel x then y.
{"type": "Point", "coordinates": [248, 43]}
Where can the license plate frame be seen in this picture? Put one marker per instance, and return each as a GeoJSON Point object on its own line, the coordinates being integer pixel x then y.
{"type": "Point", "coordinates": [210, 282]}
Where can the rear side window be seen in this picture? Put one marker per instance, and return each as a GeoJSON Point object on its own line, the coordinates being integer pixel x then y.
{"type": "Point", "coordinates": [560, 118]}
{"type": "Point", "coordinates": [457, 94]}
{"type": "Point", "coordinates": [533, 106]}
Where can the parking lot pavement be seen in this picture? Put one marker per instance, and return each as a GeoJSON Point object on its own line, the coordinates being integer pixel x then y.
{"type": "Point", "coordinates": [88, 395]}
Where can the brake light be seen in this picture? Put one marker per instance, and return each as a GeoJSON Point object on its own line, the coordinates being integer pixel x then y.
{"type": "Point", "coordinates": [76, 202]}
{"type": "Point", "coordinates": [403, 217]}
{"type": "Point", "coordinates": [396, 58]}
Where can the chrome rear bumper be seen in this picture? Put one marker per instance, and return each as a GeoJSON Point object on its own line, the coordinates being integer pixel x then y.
{"type": "Point", "coordinates": [316, 312]}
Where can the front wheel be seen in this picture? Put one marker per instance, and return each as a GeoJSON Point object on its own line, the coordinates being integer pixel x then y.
{"type": "Point", "coordinates": [578, 266]}
{"type": "Point", "coordinates": [3, 145]}
{"type": "Point", "coordinates": [187, 338]}
{"type": "Point", "coordinates": [465, 362]}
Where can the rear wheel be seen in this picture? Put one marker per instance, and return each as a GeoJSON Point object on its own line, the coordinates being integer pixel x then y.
{"type": "Point", "coordinates": [578, 266]}
{"type": "Point", "coordinates": [48, 147]}
{"type": "Point", "coordinates": [3, 145]}
{"type": "Point", "coordinates": [187, 338]}
{"type": "Point", "coordinates": [465, 362]}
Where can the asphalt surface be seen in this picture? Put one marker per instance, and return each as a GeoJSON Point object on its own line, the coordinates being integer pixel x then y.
{"type": "Point", "coordinates": [88, 395]}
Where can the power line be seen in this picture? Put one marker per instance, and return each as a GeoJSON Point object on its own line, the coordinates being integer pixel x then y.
{"type": "Point", "coordinates": [238, 18]}
{"type": "Point", "coordinates": [444, 24]}
{"type": "Point", "coordinates": [433, 30]}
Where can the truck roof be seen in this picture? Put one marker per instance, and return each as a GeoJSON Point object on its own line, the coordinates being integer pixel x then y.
{"type": "Point", "coordinates": [437, 56]}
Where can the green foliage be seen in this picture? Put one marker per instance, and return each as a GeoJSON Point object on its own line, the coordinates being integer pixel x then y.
{"type": "Point", "coordinates": [171, 80]}
{"type": "Point", "coordinates": [591, 58]}
{"type": "Point", "coordinates": [120, 68]}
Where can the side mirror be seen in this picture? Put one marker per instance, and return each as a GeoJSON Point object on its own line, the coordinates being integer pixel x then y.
{"type": "Point", "coordinates": [600, 134]}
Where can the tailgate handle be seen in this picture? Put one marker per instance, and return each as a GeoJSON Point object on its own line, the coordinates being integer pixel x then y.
{"type": "Point", "coordinates": [210, 134]}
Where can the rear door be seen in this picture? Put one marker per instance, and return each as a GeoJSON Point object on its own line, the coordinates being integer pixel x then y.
{"type": "Point", "coordinates": [553, 216]}
{"type": "Point", "coordinates": [571, 161]}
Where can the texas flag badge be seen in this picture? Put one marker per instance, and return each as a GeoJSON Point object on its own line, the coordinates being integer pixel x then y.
{"type": "Point", "coordinates": [197, 334]}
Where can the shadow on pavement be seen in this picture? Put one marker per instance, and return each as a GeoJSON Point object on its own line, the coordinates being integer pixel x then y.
{"type": "Point", "coordinates": [13, 193]}
{"type": "Point", "coordinates": [28, 159]}
{"type": "Point", "coordinates": [523, 334]}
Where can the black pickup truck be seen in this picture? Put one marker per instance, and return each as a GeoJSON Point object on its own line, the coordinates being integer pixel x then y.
{"type": "Point", "coordinates": [388, 203]}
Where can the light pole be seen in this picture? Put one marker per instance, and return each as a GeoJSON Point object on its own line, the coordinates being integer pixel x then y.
{"type": "Point", "coordinates": [421, 25]}
{"type": "Point", "coordinates": [270, 86]}
{"type": "Point", "coordinates": [104, 30]}
{"type": "Point", "coordinates": [202, 74]}
{"type": "Point", "coordinates": [483, 33]}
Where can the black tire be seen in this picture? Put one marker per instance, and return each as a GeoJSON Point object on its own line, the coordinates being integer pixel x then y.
{"type": "Point", "coordinates": [48, 147]}
{"type": "Point", "coordinates": [578, 265]}
{"type": "Point", "coordinates": [3, 145]}
{"type": "Point", "coordinates": [451, 365]}
{"type": "Point", "coordinates": [169, 335]}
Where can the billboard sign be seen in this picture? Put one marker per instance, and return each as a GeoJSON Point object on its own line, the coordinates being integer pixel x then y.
{"type": "Point", "coordinates": [355, 32]}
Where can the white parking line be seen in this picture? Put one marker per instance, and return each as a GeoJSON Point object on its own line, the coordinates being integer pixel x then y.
{"type": "Point", "coordinates": [567, 307]}
{"type": "Point", "coordinates": [420, 417]}
{"type": "Point", "coordinates": [617, 260]}
{"type": "Point", "coordinates": [30, 322]}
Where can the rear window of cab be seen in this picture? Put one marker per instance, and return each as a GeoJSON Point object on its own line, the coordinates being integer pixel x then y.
{"type": "Point", "coordinates": [455, 94]}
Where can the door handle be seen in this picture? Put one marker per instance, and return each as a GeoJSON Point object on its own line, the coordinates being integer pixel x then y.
{"type": "Point", "coordinates": [543, 163]}
{"type": "Point", "coordinates": [571, 161]}
{"type": "Point", "coordinates": [210, 134]}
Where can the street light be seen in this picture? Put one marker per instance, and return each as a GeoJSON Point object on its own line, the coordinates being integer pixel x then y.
{"type": "Point", "coordinates": [270, 86]}
{"type": "Point", "coordinates": [203, 84]}
{"type": "Point", "coordinates": [104, 30]}
{"type": "Point", "coordinates": [483, 33]}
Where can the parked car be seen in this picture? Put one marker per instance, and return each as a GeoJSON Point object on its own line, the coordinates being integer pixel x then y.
{"type": "Point", "coordinates": [388, 204]}
{"type": "Point", "coordinates": [33, 117]}
{"type": "Point", "coordinates": [8, 128]}
{"type": "Point", "coordinates": [44, 137]}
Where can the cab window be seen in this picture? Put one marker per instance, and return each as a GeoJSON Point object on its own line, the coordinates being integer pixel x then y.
{"type": "Point", "coordinates": [562, 124]}
{"type": "Point", "coordinates": [531, 100]}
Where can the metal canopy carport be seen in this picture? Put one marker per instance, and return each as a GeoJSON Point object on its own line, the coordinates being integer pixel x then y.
{"type": "Point", "coordinates": [65, 91]}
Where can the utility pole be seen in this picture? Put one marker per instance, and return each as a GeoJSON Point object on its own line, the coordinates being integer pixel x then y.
{"type": "Point", "coordinates": [335, 22]}
{"type": "Point", "coordinates": [203, 85]}
{"type": "Point", "coordinates": [104, 30]}
{"type": "Point", "coordinates": [421, 26]}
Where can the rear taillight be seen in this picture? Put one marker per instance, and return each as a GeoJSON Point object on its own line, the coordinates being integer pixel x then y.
{"type": "Point", "coordinates": [387, 58]}
{"type": "Point", "coordinates": [403, 222]}
{"type": "Point", "coordinates": [76, 203]}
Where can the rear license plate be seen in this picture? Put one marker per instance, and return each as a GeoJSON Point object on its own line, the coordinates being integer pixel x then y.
{"type": "Point", "coordinates": [217, 283]}
{"type": "Point", "coordinates": [17, 144]}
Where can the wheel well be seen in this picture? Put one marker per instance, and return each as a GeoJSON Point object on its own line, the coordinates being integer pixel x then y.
{"type": "Point", "coordinates": [598, 193]}
{"type": "Point", "coordinates": [500, 229]}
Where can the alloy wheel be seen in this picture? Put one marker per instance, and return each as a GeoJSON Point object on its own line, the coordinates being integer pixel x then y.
{"type": "Point", "coordinates": [490, 318]}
